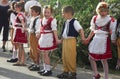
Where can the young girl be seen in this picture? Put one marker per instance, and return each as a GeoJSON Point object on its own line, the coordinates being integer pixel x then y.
{"type": "Point", "coordinates": [48, 38]}
{"type": "Point", "coordinates": [13, 14]}
{"type": "Point", "coordinates": [20, 35]}
{"type": "Point", "coordinates": [99, 49]}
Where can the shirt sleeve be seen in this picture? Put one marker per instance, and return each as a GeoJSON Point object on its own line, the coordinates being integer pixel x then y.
{"type": "Point", "coordinates": [38, 25]}
{"type": "Point", "coordinates": [77, 26]}
{"type": "Point", "coordinates": [92, 24]}
{"type": "Point", "coordinates": [54, 24]}
{"type": "Point", "coordinates": [113, 29]}
{"type": "Point", "coordinates": [12, 18]}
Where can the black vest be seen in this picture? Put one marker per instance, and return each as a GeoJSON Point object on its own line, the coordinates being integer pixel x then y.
{"type": "Point", "coordinates": [72, 32]}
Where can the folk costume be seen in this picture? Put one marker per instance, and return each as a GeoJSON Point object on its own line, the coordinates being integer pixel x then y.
{"type": "Point", "coordinates": [99, 47]}
{"type": "Point", "coordinates": [47, 40]}
{"type": "Point", "coordinates": [20, 36]}
{"type": "Point", "coordinates": [33, 29]}
{"type": "Point", "coordinates": [70, 31]}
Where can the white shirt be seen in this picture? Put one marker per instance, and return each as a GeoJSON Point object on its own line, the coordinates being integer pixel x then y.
{"type": "Point", "coordinates": [37, 25]}
{"type": "Point", "coordinates": [12, 18]}
{"type": "Point", "coordinates": [30, 3]}
{"type": "Point", "coordinates": [101, 22]}
{"type": "Point", "coordinates": [77, 27]}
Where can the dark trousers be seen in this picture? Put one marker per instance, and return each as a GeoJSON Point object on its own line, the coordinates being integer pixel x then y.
{"type": "Point", "coordinates": [5, 27]}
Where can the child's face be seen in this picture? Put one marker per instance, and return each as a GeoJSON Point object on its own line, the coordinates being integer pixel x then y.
{"type": "Point", "coordinates": [18, 9]}
{"type": "Point", "coordinates": [103, 13]}
{"type": "Point", "coordinates": [65, 15]}
{"type": "Point", "coordinates": [33, 13]}
{"type": "Point", "coordinates": [47, 13]}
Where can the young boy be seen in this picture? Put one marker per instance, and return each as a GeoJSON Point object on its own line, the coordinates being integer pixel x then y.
{"type": "Point", "coordinates": [33, 29]}
{"type": "Point", "coordinates": [118, 42]}
{"type": "Point", "coordinates": [71, 30]}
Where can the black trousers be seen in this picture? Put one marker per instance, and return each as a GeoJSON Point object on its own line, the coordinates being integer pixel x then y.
{"type": "Point", "coordinates": [5, 26]}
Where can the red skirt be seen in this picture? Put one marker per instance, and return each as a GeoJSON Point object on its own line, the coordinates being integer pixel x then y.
{"type": "Point", "coordinates": [19, 36]}
{"type": "Point", "coordinates": [106, 55]}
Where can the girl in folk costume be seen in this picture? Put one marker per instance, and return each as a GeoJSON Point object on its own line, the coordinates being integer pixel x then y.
{"type": "Point", "coordinates": [33, 30]}
{"type": "Point", "coordinates": [12, 14]}
{"type": "Point", "coordinates": [99, 49]}
{"type": "Point", "coordinates": [20, 35]}
{"type": "Point", "coordinates": [48, 38]}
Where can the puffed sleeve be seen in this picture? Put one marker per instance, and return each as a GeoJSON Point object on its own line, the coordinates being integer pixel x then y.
{"type": "Point", "coordinates": [38, 25]}
{"type": "Point", "coordinates": [92, 24]}
{"type": "Point", "coordinates": [77, 26]}
{"type": "Point", "coordinates": [113, 29]}
{"type": "Point", "coordinates": [54, 24]}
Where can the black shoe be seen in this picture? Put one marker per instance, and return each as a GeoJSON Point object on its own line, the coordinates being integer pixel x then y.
{"type": "Point", "coordinates": [47, 73]}
{"type": "Point", "coordinates": [11, 51]}
{"type": "Point", "coordinates": [72, 76]}
{"type": "Point", "coordinates": [3, 47]}
{"type": "Point", "coordinates": [35, 68]}
{"type": "Point", "coordinates": [41, 71]}
{"type": "Point", "coordinates": [12, 60]}
{"type": "Point", "coordinates": [31, 66]}
{"type": "Point", "coordinates": [63, 75]}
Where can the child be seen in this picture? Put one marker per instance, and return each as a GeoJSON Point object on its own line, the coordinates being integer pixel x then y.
{"type": "Point", "coordinates": [99, 48]}
{"type": "Point", "coordinates": [20, 35]}
{"type": "Point", "coordinates": [48, 38]}
{"type": "Point", "coordinates": [71, 30]}
{"type": "Point", "coordinates": [13, 14]}
{"type": "Point", "coordinates": [118, 42]}
{"type": "Point", "coordinates": [33, 30]}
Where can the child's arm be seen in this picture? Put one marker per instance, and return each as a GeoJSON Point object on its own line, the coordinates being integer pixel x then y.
{"type": "Point", "coordinates": [82, 34]}
{"type": "Point", "coordinates": [90, 36]}
{"type": "Point", "coordinates": [56, 37]}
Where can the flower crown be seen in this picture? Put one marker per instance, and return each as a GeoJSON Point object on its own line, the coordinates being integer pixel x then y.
{"type": "Point", "coordinates": [103, 6]}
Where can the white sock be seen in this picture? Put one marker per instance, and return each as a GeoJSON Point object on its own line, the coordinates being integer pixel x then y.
{"type": "Point", "coordinates": [48, 67]}
{"type": "Point", "coordinates": [44, 66]}
{"type": "Point", "coordinates": [14, 53]}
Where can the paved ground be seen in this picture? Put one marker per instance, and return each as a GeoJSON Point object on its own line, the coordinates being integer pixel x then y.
{"type": "Point", "coordinates": [7, 71]}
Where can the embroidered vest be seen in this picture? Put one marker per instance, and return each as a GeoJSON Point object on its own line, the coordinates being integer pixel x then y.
{"type": "Point", "coordinates": [47, 26]}
{"type": "Point", "coordinates": [18, 20]}
{"type": "Point", "coordinates": [72, 32]}
{"type": "Point", "coordinates": [106, 27]}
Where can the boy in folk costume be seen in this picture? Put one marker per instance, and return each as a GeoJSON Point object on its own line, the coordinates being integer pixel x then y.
{"type": "Point", "coordinates": [71, 30]}
{"type": "Point", "coordinates": [48, 38]}
{"type": "Point", "coordinates": [118, 42]}
{"type": "Point", "coordinates": [33, 30]}
{"type": "Point", "coordinates": [99, 49]}
{"type": "Point", "coordinates": [20, 34]}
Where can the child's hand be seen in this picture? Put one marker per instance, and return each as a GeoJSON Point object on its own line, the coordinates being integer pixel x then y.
{"type": "Point", "coordinates": [86, 41]}
{"type": "Point", "coordinates": [59, 41]}
{"type": "Point", "coordinates": [114, 41]}
{"type": "Point", "coordinates": [38, 35]}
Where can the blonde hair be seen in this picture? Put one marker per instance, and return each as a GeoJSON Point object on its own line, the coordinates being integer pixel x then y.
{"type": "Point", "coordinates": [48, 7]}
{"type": "Point", "coordinates": [102, 6]}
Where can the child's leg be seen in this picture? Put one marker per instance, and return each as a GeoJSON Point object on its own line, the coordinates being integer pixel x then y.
{"type": "Point", "coordinates": [47, 60]}
{"type": "Point", "coordinates": [19, 53]}
{"type": "Point", "coordinates": [22, 54]}
{"type": "Point", "coordinates": [105, 67]}
{"type": "Point", "coordinates": [94, 66]}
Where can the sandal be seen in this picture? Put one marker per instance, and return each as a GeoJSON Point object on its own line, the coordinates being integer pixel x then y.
{"type": "Point", "coordinates": [97, 76]}
{"type": "Point", "coordinates": [17, 64]}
